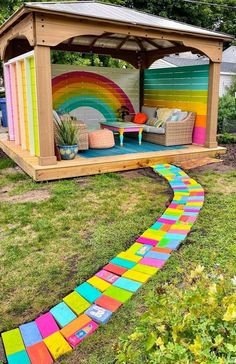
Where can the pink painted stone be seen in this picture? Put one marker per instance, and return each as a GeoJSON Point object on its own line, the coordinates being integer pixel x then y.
{"type": "Point", "coordinates": [144, 240]}
{"type": "Point", "coordinates": [184, 231]}
{"type": "Point", "coordinates": [166, 221]}
{"type": "Point", "coordinates": [46, 325]}
{"type": "Point", "coordinates": [158, 263]}
{"type": "Point", "coordinates": [107, 276]}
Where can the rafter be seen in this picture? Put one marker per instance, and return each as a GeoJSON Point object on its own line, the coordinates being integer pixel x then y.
{"type": "Point", "coordinates": [99, 37]}
{"type": "Point", "coordinates": [70, 41]}
{"type": "Point", "coordinates": [151, 42]}
{"type": "Point", "coordinates": [127, 55]}
{"type": "Point", "coordinates": [123, 42]}
{"type": "Point", "coordinates": [140, 44]}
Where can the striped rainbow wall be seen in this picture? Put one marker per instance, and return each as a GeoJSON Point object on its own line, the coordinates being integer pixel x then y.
{"type": "Point", "coordinates": [21, 97]}
{"type": "Point", "coordinates": [185, 88]}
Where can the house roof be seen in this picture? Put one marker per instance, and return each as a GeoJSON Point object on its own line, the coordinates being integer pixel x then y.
{"type": "Point", "coordinates": [176, 61]}
{"type": "Point", "coordinates": [119, 14]}
{"type": "Point", "coordinates": [229, 55]}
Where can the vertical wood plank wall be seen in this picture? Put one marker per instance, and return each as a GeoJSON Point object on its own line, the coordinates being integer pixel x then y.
{"type": "Point", "coordinates": [183, 88]}
{"type": "Point", "coordinates": [21, 96]}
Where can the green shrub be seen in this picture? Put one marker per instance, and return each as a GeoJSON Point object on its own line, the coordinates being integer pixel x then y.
{"type": "Point", "coordinates": [189, 322]}
{"type": "Point", "coordinates": [226, 138]}
{"type": "Point", "coordinates": [226, 112]}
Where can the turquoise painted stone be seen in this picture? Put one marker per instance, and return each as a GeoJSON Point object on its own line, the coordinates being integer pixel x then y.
{"type": "Point", "coordinates": [89, 292]}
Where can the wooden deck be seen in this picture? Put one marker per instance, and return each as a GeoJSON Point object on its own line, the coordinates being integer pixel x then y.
{"type": "Point", "coordinates": [89, 166]}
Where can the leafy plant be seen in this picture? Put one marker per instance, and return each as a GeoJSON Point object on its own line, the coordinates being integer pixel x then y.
{"type": "Point", "coordinates": [227, 111]}
{"type": "Point", "coordinates": [66, 132]}
{"type": "Point", "coordinates": [226, 138]}
{"type": "Point", "coordinates": [192, 322]}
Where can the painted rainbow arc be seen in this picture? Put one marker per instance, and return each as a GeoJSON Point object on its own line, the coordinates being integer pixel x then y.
{"type": "Point", "coordinates": [72, 90]}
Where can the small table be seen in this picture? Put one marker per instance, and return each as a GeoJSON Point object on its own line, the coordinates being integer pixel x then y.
{"type": "Point", "coordinates": [122, 128]}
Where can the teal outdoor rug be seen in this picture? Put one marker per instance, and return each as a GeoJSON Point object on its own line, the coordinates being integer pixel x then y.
{"type": "Point", "coordinates": [130, 146]}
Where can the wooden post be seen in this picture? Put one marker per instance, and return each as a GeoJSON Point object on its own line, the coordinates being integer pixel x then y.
{"type": "Point", "coordinates": [212, 108]}
{"type": "Point", "coordinates": [44, 101]}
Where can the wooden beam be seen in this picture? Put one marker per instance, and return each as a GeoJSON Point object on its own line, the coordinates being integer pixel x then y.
{"type": "Point", "coordinates": [123, 42]}
{"type": "Point", "coordinates": [99, 37]}
{"type": "Point", "coordinates": [70, 41]}
{"type": "Point", "coordinates": [25, 29]}
{"type": "Point", "coordinates": [212, 106]}
{"type": "Point", "coordinates": [129, 56]}
{"type": "Point", "coordinates": [160, 53]}
{"type": "Point", "coordinates": [150, 41]}
{"type": "Point", "coordinates": [52, 30]}
{"type": "Point", "coordinates": [44, 100]}
{"type": "Point", "coordinates": [140, 44]}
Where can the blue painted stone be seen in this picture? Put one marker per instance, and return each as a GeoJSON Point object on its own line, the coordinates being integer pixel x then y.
{"type": "Point", "coordinates": [98, 314]}
{"type": "Point", "coordinates": [123, 262]}
{"type": "Point", "coordinates": [21, 357]}
{"type": "Point", "coordinates": [170, 217]}
{"type": "Point", "coordinates": [179, 237]}
{"type": "Point", "coordinates": [157, 225]}
{"type": "Point", "coordinates": [89, 292]}
{"type": "Point", "coordinates": [30, 333]}
{"type": "Point", "coordinates": [62, 314]}
{"type": "Point", "coordinates": [173, 244]}
{"type": "Point", "coordinates": [186, 213]}
{"type": "Point", "coordinates": [143, 250]}
{"type": "Point", "coordinates": [157, 255]}
{"type": "Point", "coordinates": [127, 284]}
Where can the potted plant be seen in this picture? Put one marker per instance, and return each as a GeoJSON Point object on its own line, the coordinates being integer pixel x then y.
{"type": "Point", "coordinates": [66, 138]}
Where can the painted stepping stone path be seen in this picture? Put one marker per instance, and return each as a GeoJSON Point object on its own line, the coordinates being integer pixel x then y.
{"type": "Point", "coordinates": [93, 302]}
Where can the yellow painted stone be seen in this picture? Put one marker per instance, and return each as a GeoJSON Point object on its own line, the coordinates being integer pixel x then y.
{"type": "Point", "coordinates": [76, 302]}
{"type": "Point", "coordinates": [153, 234]}
{"type": "Point", "coordinates": [180, 227]}
{"type": "Point", "coordinates": [134, 248]}
{"type": "Point", "coordinates": [57, 345]}
{"type": "Point", "coordinates": [131, 257]}
{"type": "Point", "coordinates": [182, 193]}
{"type": "Point", "coordinates": [98, 283]}
{"type": "Point", "coordinates": [145, 269]}
{"type": "Point", "coordinates": [136, 276]}
{"type": "Point", "coordinates": [194, 204]}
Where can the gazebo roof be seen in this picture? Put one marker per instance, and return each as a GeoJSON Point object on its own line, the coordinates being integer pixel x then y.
{"type": "Point", "coordinates": [116, 14]}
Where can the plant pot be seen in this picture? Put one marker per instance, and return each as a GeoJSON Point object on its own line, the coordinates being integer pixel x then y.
{"type": "Point", "coordinates": [68, 152]}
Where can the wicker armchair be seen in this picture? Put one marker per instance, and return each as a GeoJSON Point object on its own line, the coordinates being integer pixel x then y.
{"type": "Point", "coordinates": [176, 132]}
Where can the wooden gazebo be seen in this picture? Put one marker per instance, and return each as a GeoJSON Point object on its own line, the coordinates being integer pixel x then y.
{"type": "Point", "coordinates": [88, 26]}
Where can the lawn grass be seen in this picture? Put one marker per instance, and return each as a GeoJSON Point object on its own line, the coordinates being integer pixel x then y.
{"type": "Point", "coordinates": [49, 247]}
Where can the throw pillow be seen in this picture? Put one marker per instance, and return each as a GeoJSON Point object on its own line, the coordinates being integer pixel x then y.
{"type": "Point", "coordinates": [155, 122]}
{"type": "Point", "coordinates": [140, 118]}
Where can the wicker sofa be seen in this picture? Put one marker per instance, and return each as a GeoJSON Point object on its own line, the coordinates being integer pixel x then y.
{"type": "Point", "coordinates": [176, 133]}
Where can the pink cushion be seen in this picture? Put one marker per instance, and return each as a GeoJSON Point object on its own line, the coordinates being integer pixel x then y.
{"type": "Point", "coordinates": [101, 139]}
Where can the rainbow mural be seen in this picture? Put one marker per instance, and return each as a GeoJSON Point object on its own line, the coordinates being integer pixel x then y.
{"type": "Point", "coordinates": [21, 96]}
{"type": "Point", "coordinates": [185, 88]}
{"type": "Point", "coordinates": [72, 90]}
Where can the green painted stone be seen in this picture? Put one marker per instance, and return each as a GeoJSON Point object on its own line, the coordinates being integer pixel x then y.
{"type": "Point", "coordinates": [12, 341]}
{"type": "Point", "coordinates": [76, 302]}
{"type": "Point", "coordinates": [163, 243]}
{"type": "Point", "coordinates": [118, 294]}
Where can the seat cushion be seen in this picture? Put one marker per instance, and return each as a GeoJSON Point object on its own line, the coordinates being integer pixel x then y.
{"type": "Point", "coordinates": [101, 139]}
{"type": "Point", "coordinates": [153, 129]}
